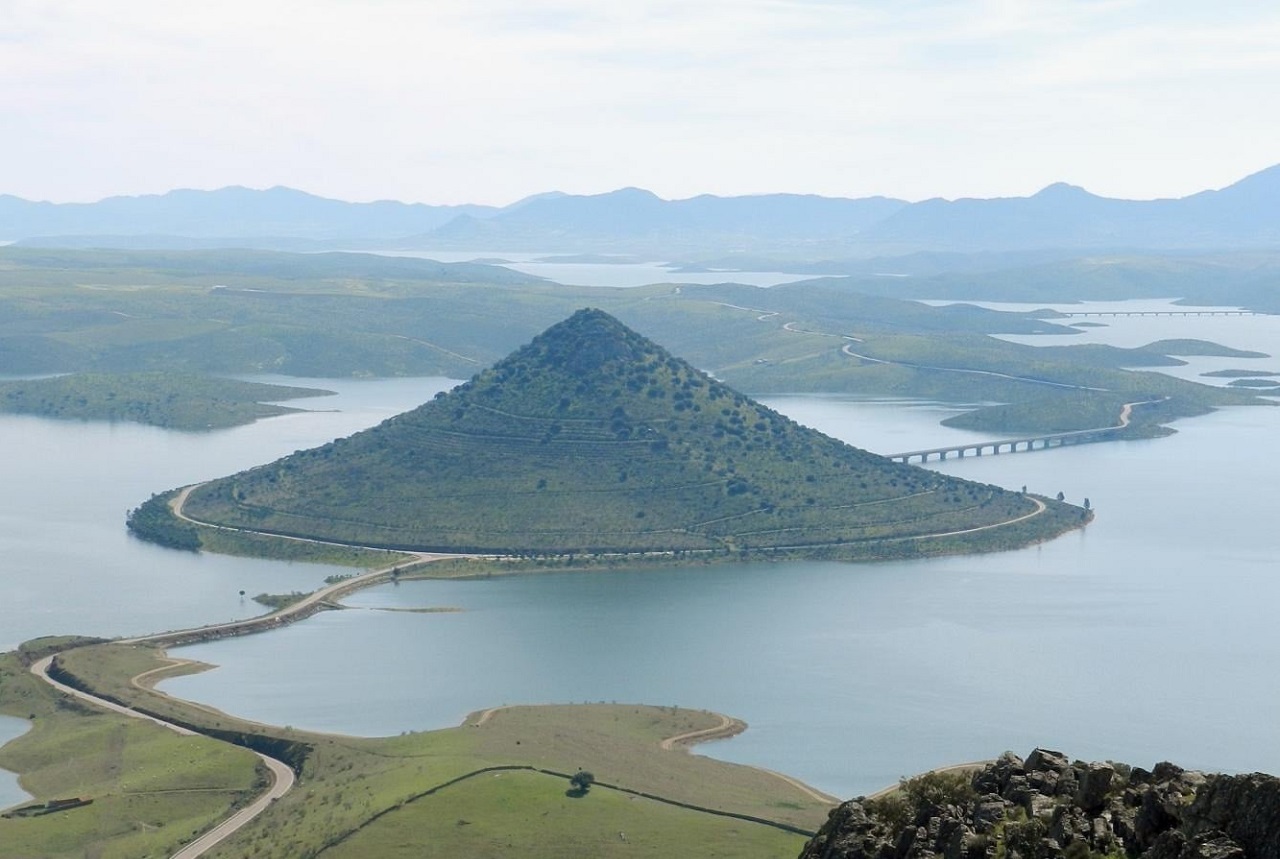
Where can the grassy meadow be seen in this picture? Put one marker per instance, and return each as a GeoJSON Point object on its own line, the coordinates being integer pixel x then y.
{"type": "Point", "coordinates": [152, 789]}
{"type": "Point", "coordinates": [357, 794]}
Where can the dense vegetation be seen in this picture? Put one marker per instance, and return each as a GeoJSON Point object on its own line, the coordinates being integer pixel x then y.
{"type": "Point", "coordinates": [350, 314]}
{"type": "Point", "coordinates": [173, 400]}
{"type": "Point", "coordinates": [592, 439]}
{"type": "Point", "coordinates": [153, 520]}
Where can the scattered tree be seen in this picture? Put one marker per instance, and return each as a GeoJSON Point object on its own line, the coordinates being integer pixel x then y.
{"type": "Point", "coordinates": [580, 782]}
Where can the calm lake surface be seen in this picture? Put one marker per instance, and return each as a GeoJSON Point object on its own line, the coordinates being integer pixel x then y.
{"type": "Point", "coordinates": [1148, 636]}
{"type": "Point", "coordinates": [604, 273]}
{"type": "Point", "coordinates": [69, 565]}
{"type": "Point", "coordinates": [10, 793]}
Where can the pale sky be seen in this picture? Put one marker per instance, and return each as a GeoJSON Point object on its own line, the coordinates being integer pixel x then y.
{"type": "Point", "coordinates": [451, 101]}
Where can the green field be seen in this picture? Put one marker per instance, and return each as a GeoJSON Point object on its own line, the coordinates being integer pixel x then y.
{"type": "Point", "coordinates": [357, 795]}
{"type": "Point", "coordinates": [151, 788]}
{"type": "Point", "coordinates": [498, 814]}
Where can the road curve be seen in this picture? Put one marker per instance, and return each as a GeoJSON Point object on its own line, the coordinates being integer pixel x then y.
{"type": "Point", "coordinates": [282, 782]}
{"type": "Point", "coordinates": [846, 349]}
{"type": "Point", "coordinates": [282, 778]}
{"type": "Point", "coordinates": [727, 727]}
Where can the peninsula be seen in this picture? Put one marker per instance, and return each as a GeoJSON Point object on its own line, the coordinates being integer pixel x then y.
{"type": "Point", "coordinates": [182, 401]}
{"type": "Point", "coordinates": [593, 440]}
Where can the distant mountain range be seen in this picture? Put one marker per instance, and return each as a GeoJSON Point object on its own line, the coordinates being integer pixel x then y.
{"type": "Point", "coordinates": [633, 221]}
{"type": "Point", "coordinates": [226, 213]}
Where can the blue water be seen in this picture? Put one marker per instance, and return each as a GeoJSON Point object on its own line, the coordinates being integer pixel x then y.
{"type": "Point", "coordinates": [1147, 636]}
{"type": "Point", "coordinates": [618, 274]}
{"type": "Point", "coordinates": [10, 792]}
{"type": "Point", "coordinates": [65, 487]}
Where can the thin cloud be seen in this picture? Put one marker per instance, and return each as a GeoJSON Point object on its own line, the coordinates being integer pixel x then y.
{"type": "Point", "coordinates": [454, 101]}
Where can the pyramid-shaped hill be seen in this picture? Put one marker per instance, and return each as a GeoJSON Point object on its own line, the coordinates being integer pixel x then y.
{"type": "Point", "coordinates": [593, 438]}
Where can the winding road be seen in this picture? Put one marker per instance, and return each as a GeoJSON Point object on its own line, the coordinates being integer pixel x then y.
{"type": "Point", "coordinates": [282, 778]}
{"type": "Point", "coordinates": [847, 350]}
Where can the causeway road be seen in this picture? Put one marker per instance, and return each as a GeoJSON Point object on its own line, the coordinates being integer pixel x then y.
{"type": "Point", "coordinates": [282, 778]}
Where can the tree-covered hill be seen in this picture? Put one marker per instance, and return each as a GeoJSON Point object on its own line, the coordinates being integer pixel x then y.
{"type": "Point", "coordinates": [173, 400]}
{"type": "Point", "coordinates": [592, 438]}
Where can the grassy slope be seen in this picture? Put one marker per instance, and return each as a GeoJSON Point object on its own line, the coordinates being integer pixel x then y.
{"type": "Point", "coordinates": [530, 814]}
{"type": "Point", "coordinates": [171, 400]}
{"type": "Point", "coordinates": [151, 788]}
{"type": "Point", "coordinates": [593, 439]}
{"type": "Point", "coordinates": [348, 782]}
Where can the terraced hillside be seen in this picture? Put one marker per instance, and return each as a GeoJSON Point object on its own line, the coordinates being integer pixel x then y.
{"type": "Point", "coordinates": [593, 439]}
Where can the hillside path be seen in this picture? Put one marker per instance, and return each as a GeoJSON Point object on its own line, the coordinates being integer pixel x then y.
{"type": "Point", "coordinates": [282, 778]}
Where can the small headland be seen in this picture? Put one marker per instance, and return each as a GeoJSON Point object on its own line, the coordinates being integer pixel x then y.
{"type": "Point", "coordinates": [508, 769]}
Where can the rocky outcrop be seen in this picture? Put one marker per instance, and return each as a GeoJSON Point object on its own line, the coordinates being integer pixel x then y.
{"type": "Point", "coordinates": [1048, 806]}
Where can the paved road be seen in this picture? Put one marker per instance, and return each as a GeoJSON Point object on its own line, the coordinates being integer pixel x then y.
{"type": "Point", "coordinates": [282, 779]}
{"type": "Point", "coordinates": [846, 349]}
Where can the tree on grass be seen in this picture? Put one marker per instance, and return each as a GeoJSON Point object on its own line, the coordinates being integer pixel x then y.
{"type": "Point", "coordinates": [580, 782]}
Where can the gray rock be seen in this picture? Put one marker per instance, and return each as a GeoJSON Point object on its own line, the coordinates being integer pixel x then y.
{"type": "Point", "coordinates": [1168, 813]}
{"type": "Point", "coordinates": [1005, 767]}
{"type": "Point", "coordinates": [1045, 760]}
{"type": "Point", "coordinates": [1095, 783]}
{"type": "Point", "coordinates": [1069, 825]}
{"type": "Point", "coordinates": [1040, 805]}
{"type": "Point", "coordinates": [1160, 811]}
{"type": "Point", "coordinates": [1067, 784]}
{"type": "Point", "coordinates": [1245, 807]}
{"type": "Point", "coordinates": [1017, 789]}
{"type": "Point", "coordinates": [1177, 845]}
{"type": "Point", "coordinates": [1165, 771]}
{"type": "Point", "coordinates": [1045, 781]}
{"type": "Point", "coordinates": [988, 811]}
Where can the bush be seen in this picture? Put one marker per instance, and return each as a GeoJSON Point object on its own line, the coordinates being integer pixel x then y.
{"type": "Point", "coordinates": [154, 522]}
{"type": "Point", "coordinates": [936, 789]}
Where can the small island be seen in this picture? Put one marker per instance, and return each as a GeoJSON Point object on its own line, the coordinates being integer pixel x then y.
{"type": "Point", "coordinates": [594, 442]}
{"type": "Point", "coordinates": [181, 401]}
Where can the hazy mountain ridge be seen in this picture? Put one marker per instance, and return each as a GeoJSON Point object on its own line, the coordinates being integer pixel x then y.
{"type": "Point", "coordinates": [1244, 214]}
{"type": "Point", "coordinates": [227, 212]}
{"type": "Point", "coordinates": [634, 215]}
{"type": "Point", "coordinates": [1061, 216]}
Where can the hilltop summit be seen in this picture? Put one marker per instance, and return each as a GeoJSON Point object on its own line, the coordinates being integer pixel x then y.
{"type": "Point", "coordinates": [592, 438]}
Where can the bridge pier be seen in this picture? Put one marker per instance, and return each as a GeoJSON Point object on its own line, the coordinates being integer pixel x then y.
{"type": "Point", "coordinates": [1013, 445]}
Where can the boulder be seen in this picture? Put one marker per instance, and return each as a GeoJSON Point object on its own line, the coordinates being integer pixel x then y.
{"type": "Point", "coordinates": [1095, 784]}
{"type": "Point", "coordinates": [1167, 813]}
{"type": "Point", "coordinates": [1044, 760]}
{"type": "Point", "coordinates": [988, 811]}
{"type": "Point", "coordinates": [1245, 807]}
{"type": "Point", "coordinates": [1177, 845]}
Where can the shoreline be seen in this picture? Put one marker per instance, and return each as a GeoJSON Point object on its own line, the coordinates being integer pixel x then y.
{"type": "Point", "coordinates": [284, 776]}
{"type": "Point", "coordinates": [11, 782]}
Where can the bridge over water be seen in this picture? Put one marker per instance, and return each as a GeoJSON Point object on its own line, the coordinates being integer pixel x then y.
{"type": "Point", "coordinates": [1009, 445]}
{"type": "Point", "coordinates": [1160, 313]}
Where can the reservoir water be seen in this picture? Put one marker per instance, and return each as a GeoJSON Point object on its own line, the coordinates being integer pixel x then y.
{"type": "Point", "coordinates": [10, 792]}
{"type": "Point", "coordinates": [597, 272]}
{"type": "Point", "coordinates": [1150, 635]}
{"type": "Point", "coordinates": [69, 566]}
